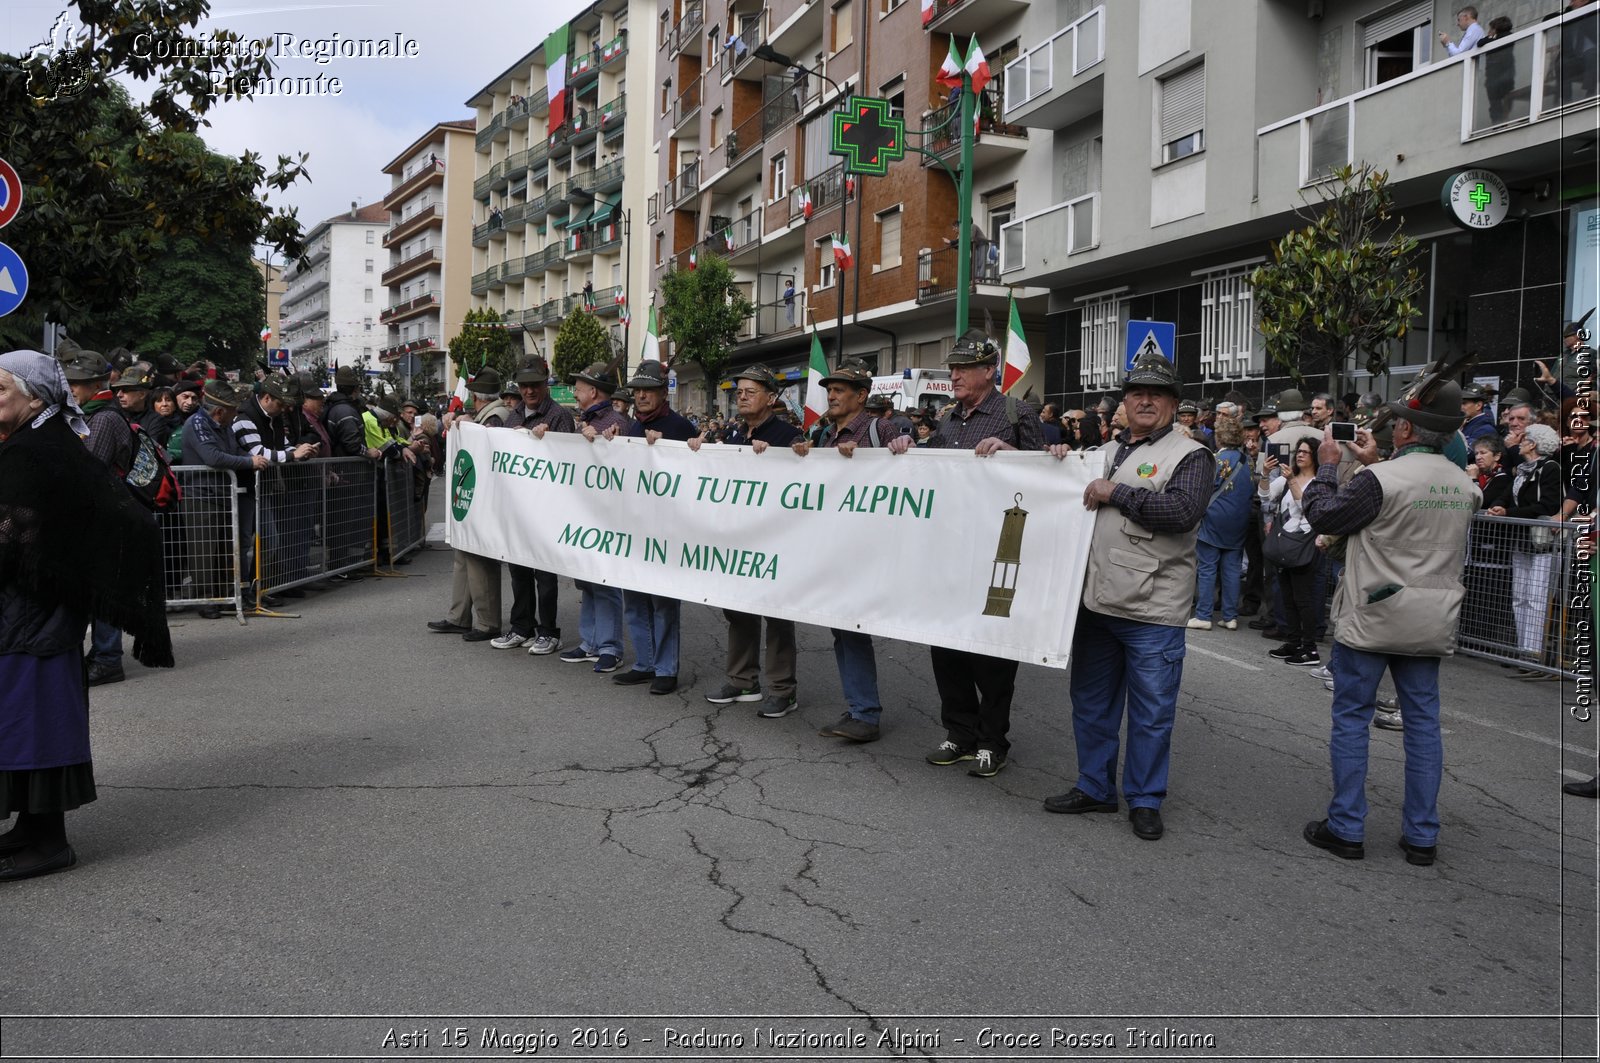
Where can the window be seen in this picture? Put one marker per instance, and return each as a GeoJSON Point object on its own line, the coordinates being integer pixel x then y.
{"type": "Point", "coordinates": [843, 24]}
{"type": "Point", "coordinates": [366, 352]}
{"type": "Point", "coordinates": [889, 238]}
{"type": "Point", "coordinates": [660, 237]}
{"type": "Point", "coordinates": [1182, 102]}
{"type": "Point", "coordinates": [367, 324]}
{"type": "Point", "coordinates": [665, 29]}
{"type": "Point", "coordinates": [1228, 349]}
{"type": "Point", "coordinates": [716, 127]}
{"type": "Point", "coordinates": [825, 262]}
{"type": "Point", "coordinates": [367, 296]}
{"type": "Point", "coordinates": [1101, 332]}
{"type": "Point", "coordinates": [886, 6]}
{"type": "Point", "coordinates": [894, 90]}
{"type": "Point", "coordinates": [369, 265]}
{"type": "Point", "coordinates": [779, 173]}
{"type": "Point", "coordinates": [1398, 43]}
{"type": "Point", "coordinates": [371, 235]}
{"type": "Point", "coordinates": [666, 97]}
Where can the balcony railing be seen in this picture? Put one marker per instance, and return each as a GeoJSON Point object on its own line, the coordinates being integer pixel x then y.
{"type": "Point", "coordinates": [400, 230]}
{"type": "Point", "coordinates": [1517, 83]}
{"type": "Point", "coordinates": [743, 47]}
{"type": "Point", "coordinates": [749, 134]}
{"type": "Point", "coordinates": [938, 271]}
{"type": "Point", "coordinates": [1043, 241]}
{"type": "Point", "coordinates": [419, 261]}
{"type": "Point", "coordinates": [1080, 46]}
{"type": "Point", "coordinates": [411, 346]}
{"type": "Point", "coordinates": [826, 189]}
{"type": "Point", "coordinates": [652, 208]}
{"type": "Point", "coordinates": [403, 191]}
{"type": "Point", "coordinates": [584, 66]}
{"type": "Point", "coordinates": [490, 130]}
{"type": "Point", "coordinates": [687, 31]}
{"type": "Point", "coordinates": [686, 184]}
{"type": "Point", "coordinates": [605, 178]}
{"type": "Point", "coordinates": [407, 306]}
{"type": "Point", "coordinates": [947, 121]}
{"type": "Point", "coordinates": [743, 234]}
{"type": "Point", "coordinates": [614, 49]}
{"type": "Point", "coordinates": [687, 104]}
{"type": "Point", "coordinates": [612, 112]}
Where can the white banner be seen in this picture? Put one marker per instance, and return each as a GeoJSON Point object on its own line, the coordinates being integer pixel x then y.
{"type": "Point", "coordinates": [939, 547]}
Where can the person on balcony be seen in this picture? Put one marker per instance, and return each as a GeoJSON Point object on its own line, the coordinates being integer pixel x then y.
{"type": "Point", "coordinates": [1471, 32]}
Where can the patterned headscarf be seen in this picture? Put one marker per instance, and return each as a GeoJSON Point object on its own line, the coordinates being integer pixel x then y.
{"type": "Point", "coordinates": [40, 376]}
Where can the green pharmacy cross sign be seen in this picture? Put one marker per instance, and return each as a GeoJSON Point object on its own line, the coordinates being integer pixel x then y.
{"type": "Point", "coordinates": [1480, 196]}
{"type": "Point", "coordinates": [868, 136]}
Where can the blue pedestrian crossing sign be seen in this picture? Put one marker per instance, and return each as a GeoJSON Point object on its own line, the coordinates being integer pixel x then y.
{"type": "Point", "coordinates": [1154, 337]}
{"type": "Point", "coordinates": [13, 280]}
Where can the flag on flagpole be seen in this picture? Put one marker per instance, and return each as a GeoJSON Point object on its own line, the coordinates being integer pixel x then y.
{"type": "Point", "coordinates": [650, 351]}
{"type": "Point", "coordinates": [977, 66]}
{"type": "Point", "coordinates": [555, 74]}
{"type": "Point", "coordinates": [816, 394]}
{"type": "Point", "coordinates": [949, 74]}
{"type": "Point", "coordinates": [1017, 359]}
{"type": "Point", "coordinates": [458, 401]}
{"type": "Point", "coordinates": [841, 251]}
{"type": "Point", "coordinates": [806, 206]}
{"type": "Point", "coordinates": [694, 257]}
{"type": "Point", "coordinates": [266, 334]}
{"type": "Point", "coordinates": [927, 11]}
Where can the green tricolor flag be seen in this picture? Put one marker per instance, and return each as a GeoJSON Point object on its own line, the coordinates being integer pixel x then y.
{"type": "Point", "coordinates": [651, 350]}
{"type": "Point", "coordinates": [555, 74]}
{"type": "Point", "coordinates": [816, 394]}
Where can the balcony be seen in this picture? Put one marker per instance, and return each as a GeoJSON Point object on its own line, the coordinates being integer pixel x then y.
{"type": "Point", "coordinates": [480, 282]}
{"type": "Point", "coordinates": [776, 314]}
{"type": "Point", "coordinates": [416, 345]}
{"type": "Point", "coordinates": [411, 266]}
{"type": "Point", "coordinates": [652, 208]}
{"type": "Point", "coordinates": [972, 16]}
{"type": "Point", "coordinates": [304, 285]}
{"type": "Point", "coordinates": [585, 68]}
{"type": "Point", "coordinates": [686, 35]}
{"type": "Point", "coordinates": [1525, 122]}
{"type": "Point", "coordinates": [1062, 80]}
{"type": "Point", "coordinates": [996, 140]}
{"type": "Point", "coordinates": [428, 215]}
{"type": "Point", "coordinates": [826, 190]}
{"type": "Point", "coordinates": [410, 307]}
{"type": "Point", "coordinates": [1041, 245]}
{"type": "Point", "coordinates": [613, 50]}
{"type": "Point", "coordinates": [428, 173]}
{"type": "Point", "coordinates": [490, 132]}
{"type": "Point", "coordinates": [686, 106]}
{"type": "Point", "coordinates": [745, 44]}
{"type": "Point", "coordinates": [537, 262]}
{"type": "Point", "coordinates": [607, 178]}
{"type": "Point", "coordinates": [519, 163]}
{"type": "Point", "coordinates": [746, 139]}
{"type": "Point", "coordinates": [517, 112]}
{"type": "Point", "coordinates": [684, 186]}
{"type": "Point", "coordinates": [537, 207]}
{"type": "Point", "coordinates": [744, 234]}
{"type": "Point", "coordinates": [938, 272]}
{"type": "Point", "coordinates": [480, 187]}
{"type": "Point", "coordinates": [612, 113]}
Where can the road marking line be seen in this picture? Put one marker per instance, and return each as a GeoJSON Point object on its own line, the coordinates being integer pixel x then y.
{"type": "Point", "coordinates": [1223, 657]}
{"type": "Point", "coordinates": [1529, 735]}
{"type": "Point", "coordinates": [1573, 773]}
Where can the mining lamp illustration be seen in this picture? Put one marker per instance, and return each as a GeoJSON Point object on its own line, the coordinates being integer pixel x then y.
{"type": "Point", "coordinates": [1007, 559]}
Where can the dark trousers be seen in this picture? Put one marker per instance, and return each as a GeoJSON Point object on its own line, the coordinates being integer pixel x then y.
{"type": "Point", "coordinates": [744, 653]}
{"type": "Point", "coordinates": [974, 697]}
{"type": "Point", "coordinates": [1298, 607]}
{"type": "Point", "coordinates": [533, 602]}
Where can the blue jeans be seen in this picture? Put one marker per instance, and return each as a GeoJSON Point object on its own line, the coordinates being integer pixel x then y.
{"type": "Point", "coordinates": [1206, 580]}
{"type": "Point", "coordinates": [600, 619]}
{"type": "Point", "coordinates": [858, 674]}
{"type": "Point", "coordinates": [106, 644]}
{"type": "Point", "coordinates": [1355, 690]}
{"type": "Point", "coordinates": [1117, 663]}
{"type": "Point", "coordinates": [653, 626]}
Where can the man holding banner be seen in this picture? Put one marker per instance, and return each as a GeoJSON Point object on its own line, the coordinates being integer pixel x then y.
{"type": "Point", "coordinates": [975, 690]}
{"type": "Point", "coordinates": [1128, 647]}
{"type": "Point", "coordinates": [600, 612]}
{"type": "Point", "coordinates": [851, 427]}
{"type": "Point", "coordinates": [755, 392]}
{"type": "Point", "coordinates": [653, 618]}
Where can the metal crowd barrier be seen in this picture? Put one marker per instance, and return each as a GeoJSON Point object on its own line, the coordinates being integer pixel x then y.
{"type": "Point", "coordinates": [1529, 587]}
{"type": "Point", "coordinates": [404, 522]}
{"type": "Point", "coordinates": [313, 519]}
{"type": "Point", "coordinates": [201, 541]}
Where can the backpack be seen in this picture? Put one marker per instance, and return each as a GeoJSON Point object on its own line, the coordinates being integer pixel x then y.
{"type": "Point", "coordinates": [149, 474]}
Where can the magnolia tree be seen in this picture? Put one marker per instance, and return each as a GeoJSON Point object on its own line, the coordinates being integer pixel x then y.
{"type": "Point", "coordinates": [702, 311]}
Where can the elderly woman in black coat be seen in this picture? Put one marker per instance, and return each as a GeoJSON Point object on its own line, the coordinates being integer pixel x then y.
{"type": "Point", "coordinates": [74, 547]}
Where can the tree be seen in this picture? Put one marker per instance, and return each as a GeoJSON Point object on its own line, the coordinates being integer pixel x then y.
{"type": "Point", "coordinates": [581, 342]}
{"type": "Point", "coordinates": [1344, 284]}
{"type": "Point", "coordinates": [197, 300]}
{"type": "Point", "coordinates": [107, 182]}
{"type": "Point", "coordinates": [485, 341]}
{"type": "Point", "coordinates": [701, 311]}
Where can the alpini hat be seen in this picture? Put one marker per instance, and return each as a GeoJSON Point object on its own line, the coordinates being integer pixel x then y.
{"type": "Point", "coordinates": [598, 375]}
{"type": "Point", "coordinates": [759, 374]}
{"type": "Point", "coordinates": [1291, 401]}
{"type": "Point", "coordinates": [534, 371]}
{"type": "Point", "coordinates": [137, 377]}
{"type": "Point", "coordinates": [853, 372]}
{"type": "Point", "coordinates": [487, 382]}
{"type": "Point", "coordinates": [651, 374]}
{"type": "Point", "coordinates": [1150, 370]}
{"type": "Point", "coordinates": [974, 347]}
{"type": "Point", "coordinates": [1441, 413]}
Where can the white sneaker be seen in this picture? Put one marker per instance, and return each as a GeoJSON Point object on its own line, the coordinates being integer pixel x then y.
{"type": "Point", "coordinates": [1386, 702]}
{"type": "Point", "coordinates": [509, 641]}
{"type": "Point", "coordinates": [540, 645]}
{"type": "Point", "coordinates": [1198, 624]}
{"type": "Point", "coordinates": [1322, 673]}
{"type": "Point", "coordinates": [1229, 625]}
{"type": "Point", "coordinates": [1327, 684]}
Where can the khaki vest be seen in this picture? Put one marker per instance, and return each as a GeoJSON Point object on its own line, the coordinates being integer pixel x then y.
{"type": "Point", "coordinates": [496, 412]}
{"type": "Point", "coordinates": [1135, 573]}
{"type": "Point", "coordinates": [1418, 543]}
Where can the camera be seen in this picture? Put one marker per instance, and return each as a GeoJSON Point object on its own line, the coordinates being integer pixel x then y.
{"type": "Point", "coordinates": [1343, 431]}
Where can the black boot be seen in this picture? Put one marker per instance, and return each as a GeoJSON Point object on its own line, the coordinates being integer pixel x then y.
{"type": "Point", "coordinates": [44, 849]}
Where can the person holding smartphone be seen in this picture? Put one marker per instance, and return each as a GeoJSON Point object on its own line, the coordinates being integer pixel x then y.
{"type": "Point", "coordinates": [1281, 501]}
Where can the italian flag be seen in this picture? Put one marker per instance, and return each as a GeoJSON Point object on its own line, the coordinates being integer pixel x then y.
{"type": "Point", "coordinates": [816, 394]}
{"type": "Point", "coordinates": [841, 251]}
{"type": "Point", "coordinates": [694, 257]}
{"type": "Point", "coordinates": [949, 74]}
{"type": "Point", "coordinates": [266, 334]}
{"type": "Point", "coordinates": [650, 351]}
{"type": "Point", "coordinates": [806, 206]}
{"type": "Point", "coordinates": [458, 401]}
{"type": "Point", "coordinates": [555, 74]}
{"type": "Point", "coordinates": [977, 66]}
{"type": "Point", "coordinates": [1017, 359]}
{"type": "Point", "coordinates": [927, 11]}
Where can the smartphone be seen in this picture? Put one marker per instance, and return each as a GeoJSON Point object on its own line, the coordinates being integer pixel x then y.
{"type": "Point", "coordinates": [1343, 431]}
{"type": "Point", "coordinates": [1282, 451]}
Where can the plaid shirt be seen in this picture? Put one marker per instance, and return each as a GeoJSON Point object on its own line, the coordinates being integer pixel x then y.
{"type": "Point", "coordinates": [1178, 507]}
{"type": "Point", "coordinates": [858, 431]}
{"type": "Point", "coordinates": [602, 415]}
{"type": "Point", "coordinates": [1335, 510]}
{"type": "Point", "coordinates": [964, 429]}
{"type": "Point", "coordinates": [549, 413]}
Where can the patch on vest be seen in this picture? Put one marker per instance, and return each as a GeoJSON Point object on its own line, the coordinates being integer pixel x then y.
{"type": "Point", "coordinates": [1146, 470]}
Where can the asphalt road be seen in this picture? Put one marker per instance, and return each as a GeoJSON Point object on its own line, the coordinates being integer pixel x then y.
{"type": "Point", "coordinates": [345, 815]}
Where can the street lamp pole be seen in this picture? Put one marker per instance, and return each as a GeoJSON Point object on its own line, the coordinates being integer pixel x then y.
{"type": "Point", "coordinates": [627, 287]}
{"type": "Point", "coordinates": [964, 207]}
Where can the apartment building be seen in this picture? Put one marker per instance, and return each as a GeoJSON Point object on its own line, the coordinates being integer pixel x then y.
{"type": "Point", "coordinates": [559, 208]}
{"type": "Point", "coordinates": [429, 240]}
{"type": "Point", "coordinates": [330, 306]}
{"type": "Point", "coordinates": [1177, 139]}
{"type": "Point", "coordinates": [744, 136]}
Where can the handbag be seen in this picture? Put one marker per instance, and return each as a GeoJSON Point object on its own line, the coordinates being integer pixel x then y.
{"type": "Point", "coordinates": [1288, 549]}
{"type": "Point", "coordinates": [1541, 540]}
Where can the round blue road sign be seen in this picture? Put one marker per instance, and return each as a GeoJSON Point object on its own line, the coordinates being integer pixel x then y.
{"type": "Point", "coordinates": [13, 280]}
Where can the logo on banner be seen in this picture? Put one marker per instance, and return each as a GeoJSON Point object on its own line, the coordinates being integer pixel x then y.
{"type": "Point", "coordinates": [463, 483]}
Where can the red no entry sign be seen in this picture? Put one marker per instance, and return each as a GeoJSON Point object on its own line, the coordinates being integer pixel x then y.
{"type": "Point", "coordinates": [10, 193]}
